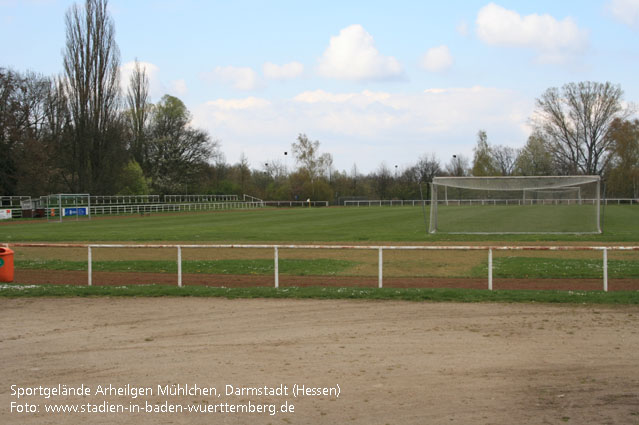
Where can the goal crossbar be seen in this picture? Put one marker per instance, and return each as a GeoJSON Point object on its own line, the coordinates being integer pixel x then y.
{"type": "Point", "coordinates": [514, 182]}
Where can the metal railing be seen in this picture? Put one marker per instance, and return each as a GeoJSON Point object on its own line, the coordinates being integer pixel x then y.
{"type": "Point", "coordinates": [115, 209]}
{"type": "Point", "coordinates": [278, 204]}
{"type": "Point", "coordinates": [419, 202]}
{"type": "Point", "coordinates": [124, 199]}
{"type": "Point", "coordinates": [199, 198]}
{"type": "Point", "coordinates": [379, 249]}
{"type": "Point", "coordinates": [160, 208]}
{"type": "Point", "coordinates": [12, 201]}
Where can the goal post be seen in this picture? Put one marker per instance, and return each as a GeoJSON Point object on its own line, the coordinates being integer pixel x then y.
{"type": "Point", "coordinates": [522, 204]}
{"type": "Point", "coordinates": [63, 206]}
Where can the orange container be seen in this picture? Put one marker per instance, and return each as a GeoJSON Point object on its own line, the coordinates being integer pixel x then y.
{"type": "Point", "coordinates": [6, 265]}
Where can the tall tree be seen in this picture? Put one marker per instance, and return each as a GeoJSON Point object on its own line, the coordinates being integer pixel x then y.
{"type": "Point", "coordinates": [426, 169]}
{"type": "Point", "coordinates": [177, 152]}
{"type": "Point", "coordinates": [575, 121]}
{"type": "Point", "coordinates": [307, 154]}
{"type": "Point", "coordinates": [91, 67]}
{"type": "Point", "coordinates": [312, 163]}
{"type": "Point", "coordinates": [534, 159]}
{"type": "Point", "coordinates": [623, 177]}
{"type": "Point", "coordinates": [483, 160]}
{"type": "Point", "coordinates": [138, 113]}
{"type": "Point", "coordinates": [244, 172]}
{"type": "Point", "coordinates": [382, 181]}
{"type": "Point", "coordinates": [504, 158]}
{"type": "Point", "coordinates": [458, 166]}
{"type": "Point", "coordinates": [9, 130]}
{"type": "Point", "coordinates": [25, 160]}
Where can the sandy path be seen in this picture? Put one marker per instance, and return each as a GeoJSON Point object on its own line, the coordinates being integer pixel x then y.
{"type": "Point", "coordinates": [395, 362]}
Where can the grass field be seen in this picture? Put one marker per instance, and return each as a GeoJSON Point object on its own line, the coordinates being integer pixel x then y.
{"type": "Point", "coordinates": [518, 219]}
{"type": "Point", "coordinates": [394, 225]}
{"type": "Point", "coordinates": [503, 267]}
{"type": "Point", "coordinates": [374, 224]}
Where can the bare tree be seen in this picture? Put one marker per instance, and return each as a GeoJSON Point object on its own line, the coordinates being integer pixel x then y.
{"type": "Point", "coordinates": [458, 166]}
{"type": "Point", "coordinates": [91, 67]}
{"type": "Point", "coordinates": [307, 154]}
{"type": "Point", "coordinates": [575, 120]}
{"type": "Point", "coordinates": [427, 168]}
{"type": "Point", "coordinates": [138, 113]}
{"type": "Point", "coordinates": [26, 161]}
{"type": "Point", "coordinates": [275, 169]}
{"type": "Point", "coordinates": [327, 162]}
{"type": "Point", "coordinates": [382, 181]}
{"type": "Point", "coordinates": [354, 177]}
{"type": "Point", "coordinates": [505, 158]}
{"type": "Point", "coordinates": [244, 172]}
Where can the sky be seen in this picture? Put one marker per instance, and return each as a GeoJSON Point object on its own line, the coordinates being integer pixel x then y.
{"type": "Point", "coordinates": [375, 82]}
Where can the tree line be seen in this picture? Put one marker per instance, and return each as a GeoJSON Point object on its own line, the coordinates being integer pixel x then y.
{"type": "Point", "coordinates": [580, 128]}
{"type": "Point", "coordinates": [77, 132]}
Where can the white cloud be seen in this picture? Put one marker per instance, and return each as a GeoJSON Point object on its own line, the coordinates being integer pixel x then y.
{"type": "Point", "coordinates": [437, 59]}
{"type": "Point", "coordinates": [625, 11]}
{"type": "Point", "coordinates": [239, 78]}
{"type": "Point", "coordinates": [553, 40]}
{"type": "Point", "coordinates": [320, 96]}
{"type": "Point", "coordinates": [239, 104]}
{"type": "Point", "coordinates": [368, 127]}
{"type": "Point", "coordinates": [179, 87]}
{"type": "Point", "coordinates": [352, 55]}
{"type": "Point", "coordinates": [287, 71]}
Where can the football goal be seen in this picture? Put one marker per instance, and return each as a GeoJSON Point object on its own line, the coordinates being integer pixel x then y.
{"type": "Point", "coordinates": [485, 205]}
{"type": "Point", "coordinates": [61, 206]}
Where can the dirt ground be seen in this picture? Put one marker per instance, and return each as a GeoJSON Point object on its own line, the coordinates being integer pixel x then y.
{"type": "Point", "coordinates": [57, 277]}
{"type": "Point", "coordinates": [394, 362]}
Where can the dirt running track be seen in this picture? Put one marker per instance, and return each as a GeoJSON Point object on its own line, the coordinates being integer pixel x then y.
{"type": "Point", "coordinates": [57, 277]}
{"type": "Point", "coordinates": [394, 362]}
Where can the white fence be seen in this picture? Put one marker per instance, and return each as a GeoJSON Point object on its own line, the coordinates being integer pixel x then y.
{"type": "Point", "coordinates": [419, 202]}
{"type": "Point", "coordinates": [199, 198]}
{"type": "Point", "coordinates": [379, 249]}
{"type": "Point", "coordinates": [156, 208]}
{"type": "Point", "coordinates": [124, 199]}
{"type": "Point", "coordinates": [279, 204]}
{"type": "Point", "coordinates": [12, 201]}
{"type": "Point", "coordinates": [114, 209]}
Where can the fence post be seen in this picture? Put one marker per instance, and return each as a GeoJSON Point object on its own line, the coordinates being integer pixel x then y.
{"type": "Point", "coordinates": [179, 265]}
{"type": "Point", "coordinates": [381, 268]}
{"type": "Point", "coordinates": [277, 269]}
{"type": "Point", "coordinates": [90, 267]}
{"type": "Point", "coordinates": [605, 269]}
{"type": "Point", "coordinates": [490, 269]}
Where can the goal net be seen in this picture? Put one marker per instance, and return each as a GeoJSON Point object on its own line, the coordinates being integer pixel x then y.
{"type": "Point", "coordinates": [64, 206]}
{"type": "Point", "coordinates": [485, 205]}
{"type": "Point", "coordinates": [565, 195]}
